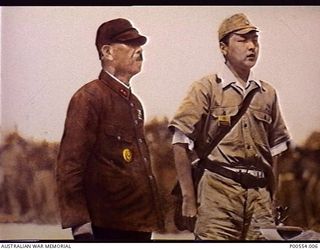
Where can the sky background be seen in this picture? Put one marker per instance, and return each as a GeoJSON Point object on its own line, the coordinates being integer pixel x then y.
{"type": "Point", "coordinates": [47, 53]}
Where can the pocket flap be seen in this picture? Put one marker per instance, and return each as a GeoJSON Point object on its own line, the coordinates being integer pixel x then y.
{"type": "Point", "coordinates": [118, 133]}
{"type": "Point", "coordinates": [228, 111]}
{"type": "Point", "coordinates": [262, 116]}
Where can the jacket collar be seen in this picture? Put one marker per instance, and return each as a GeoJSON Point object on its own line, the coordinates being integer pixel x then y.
{"type": "Point", "coordinates": [118, 86]}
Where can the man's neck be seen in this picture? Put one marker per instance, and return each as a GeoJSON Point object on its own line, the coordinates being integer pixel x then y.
{"type": "Point", "coordinates": [241, 75]}
{"type": "Point", "coordinates": [124, 78]}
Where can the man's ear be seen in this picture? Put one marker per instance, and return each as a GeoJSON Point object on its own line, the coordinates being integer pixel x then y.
{"type": "Point", "coordinates": [223, 48]}
{"type": "Point", "coordinates": [106, 52]}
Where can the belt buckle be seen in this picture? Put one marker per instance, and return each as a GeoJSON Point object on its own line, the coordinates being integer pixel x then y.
{"type": "Point", "coordinates": [261, 174]}
{"type": "Point", "coordinates": [252, 172]}
{"type": "Point", "coordinates": [257, 174]}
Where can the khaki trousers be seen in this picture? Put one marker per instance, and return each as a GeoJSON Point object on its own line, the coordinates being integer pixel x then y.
{"type": "Point", "coordinates": [229, 212]}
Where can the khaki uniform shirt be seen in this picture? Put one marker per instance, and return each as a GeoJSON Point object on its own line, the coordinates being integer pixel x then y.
{"type": "Point", "coordinates": [260, 133]}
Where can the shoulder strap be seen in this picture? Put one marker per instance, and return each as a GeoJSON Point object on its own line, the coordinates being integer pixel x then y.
{"type": "Point", "coordinates": [224, 130]}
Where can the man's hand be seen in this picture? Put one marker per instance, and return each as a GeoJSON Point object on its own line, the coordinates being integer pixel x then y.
{"type": "Point", "coordinates": [183, 167]}
{"type": "Point", "coordinates": [83, 232]}
{"type": "Point", "coordinates": [189, 212]}
{"type": "Point", "coordinates": [189, 206]}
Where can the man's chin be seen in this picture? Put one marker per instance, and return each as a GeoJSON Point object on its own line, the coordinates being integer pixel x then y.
{"type": "Point", "coordinates": [250, 64]}
{"type": "Point", "coordinates": [135, 72]}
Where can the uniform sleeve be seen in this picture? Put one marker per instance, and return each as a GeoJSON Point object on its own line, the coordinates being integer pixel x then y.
{"type": "Point", "coordinates": [179, 137]}
{"type": "Point", "coordinates": [279, 134]}
{"type": "Point", "coordinates": [193, 107]}
{"type": "Point", "coordinates": [77, 141]}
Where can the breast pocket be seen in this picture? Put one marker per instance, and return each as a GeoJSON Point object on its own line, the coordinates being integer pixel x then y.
{"type": "Point", "coordinates": [118, 144]}
{"type": "Point", "coordinates": [221, 119]}
{"type": "Point", "coordinates": [260, 126]}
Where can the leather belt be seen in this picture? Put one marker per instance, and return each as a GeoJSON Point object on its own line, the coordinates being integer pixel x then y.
{"type": "Point", "coordinates": [248, 178]}
{"type": "Point", "coordinates": [255, 173]}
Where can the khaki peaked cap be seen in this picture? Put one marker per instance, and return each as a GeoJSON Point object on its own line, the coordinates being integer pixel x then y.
{"type": "Point", "coordinates": [237, 23]}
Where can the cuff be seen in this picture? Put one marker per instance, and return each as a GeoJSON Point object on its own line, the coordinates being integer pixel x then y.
{"type": "Point", "coordinates": [179, 137]}
{"type": "Point", "coordinates": [82, 229]}
{"type": "Point", "coordinates": [278, 149]}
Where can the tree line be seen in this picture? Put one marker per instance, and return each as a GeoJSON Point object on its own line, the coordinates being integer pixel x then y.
{"type": "Point", "coordinates": [28, 186]}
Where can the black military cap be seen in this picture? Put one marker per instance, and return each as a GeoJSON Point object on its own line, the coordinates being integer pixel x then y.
{"type": "Point", "coordinates": [118, 31]}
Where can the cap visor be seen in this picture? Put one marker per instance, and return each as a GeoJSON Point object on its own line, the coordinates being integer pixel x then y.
{"type": "Point", "coordinates": [136, 41]}
{"type": "Point", "coordinates": [246, 30]}
{"type": "Point", "coordinates": [132, 37]}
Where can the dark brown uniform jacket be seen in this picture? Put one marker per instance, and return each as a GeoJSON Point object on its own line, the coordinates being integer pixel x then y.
{"type": "Point", "coordinates": [103, 169]}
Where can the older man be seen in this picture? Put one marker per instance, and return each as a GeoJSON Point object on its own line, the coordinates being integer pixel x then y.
{"type": "Point", "coordinates": [233, 197]}
{"type": "Point", "coordinates": [106, 188]}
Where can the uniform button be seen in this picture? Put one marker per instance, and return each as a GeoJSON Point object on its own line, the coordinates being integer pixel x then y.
{"type": "Point", "coordinates": [136, 122]}
{"type": "Point", "coordinates": [124, 92]}
{"type": "Point", "coordinates": [150, 177]}
{"type": "Point", "coordinates": [140, 140]}
{"type": "Point", "coordinates": [119, 137]}
{"type": "Point", "coordinates": [131, 104]}
{"type": "Point", "coordinates": [145, 159]}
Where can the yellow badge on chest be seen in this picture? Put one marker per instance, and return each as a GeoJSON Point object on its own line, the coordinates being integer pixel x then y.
{"type": "Point", "coordinates": [224, 120]}
{"type": "Point", "coordinates": [127, 155]}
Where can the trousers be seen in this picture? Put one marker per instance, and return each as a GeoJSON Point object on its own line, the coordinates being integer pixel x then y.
{"type": "Point", "coordinates": [113, 235]}
{"type": "Point", "coordinates": [228, 211]}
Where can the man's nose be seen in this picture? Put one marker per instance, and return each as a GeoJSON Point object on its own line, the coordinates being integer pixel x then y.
{"type": "Point", "coordinates": [251, 45]}
{"type": "Point", "coordinates": [139, 50]}
{"type": "Point", "coordinates": [138, 53]}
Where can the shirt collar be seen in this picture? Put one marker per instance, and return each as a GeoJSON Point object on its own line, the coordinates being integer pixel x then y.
{"type": "Point", "coordinates": [116, 79]}
{"type": "Point", "coordinates": [227, 78]}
